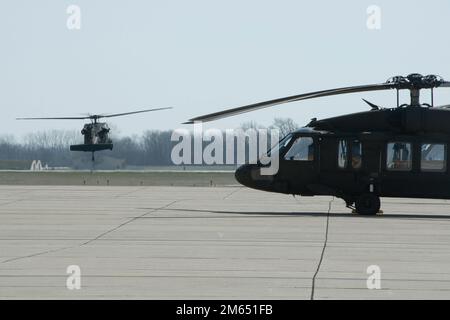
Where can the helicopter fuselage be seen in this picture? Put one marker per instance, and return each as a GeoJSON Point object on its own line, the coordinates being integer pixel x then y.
{"type": "Point", "coordinates": [399, 152]}
{"type": "Point", "coordinates": [360, 157]}
{"type": "Point", "coordinates": [96, 138]}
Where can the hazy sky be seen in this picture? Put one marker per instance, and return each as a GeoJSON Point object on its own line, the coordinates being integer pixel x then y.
{"type": "Point", "coordinates": [200, 56]}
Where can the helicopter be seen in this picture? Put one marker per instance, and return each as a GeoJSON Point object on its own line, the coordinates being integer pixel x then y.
{"type": "Point", "coordinates": [96, 134]}
{"type": "Point", "coordinates": [360, 157]}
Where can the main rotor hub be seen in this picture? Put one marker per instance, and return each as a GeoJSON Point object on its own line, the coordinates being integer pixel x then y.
{"type": "Point", "coordinates": [94, 118]}
{"type": "Point", "coordinates": [416, 81]}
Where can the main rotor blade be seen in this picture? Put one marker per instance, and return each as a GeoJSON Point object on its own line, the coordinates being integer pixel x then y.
{"type": "Point", "coordinates": [93, 116]}
{"type": "Point", "coordinates": [128, 113]}
{"type": "Point", "coordinates": [445, 84]}
{"type": "Point", "coordinates": [305, 96]}
{"type": "Point", "coordinates": [57, 118]}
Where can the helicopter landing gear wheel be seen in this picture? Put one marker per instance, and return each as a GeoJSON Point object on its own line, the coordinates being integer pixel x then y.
{"type": "Point", "coordinates": [367, 204]}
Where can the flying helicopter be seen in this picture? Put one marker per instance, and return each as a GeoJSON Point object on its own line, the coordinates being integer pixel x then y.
{"type": "Point", "coordinates": [96, 134]}
{"type": "Point", "coordinates": [360, 157]}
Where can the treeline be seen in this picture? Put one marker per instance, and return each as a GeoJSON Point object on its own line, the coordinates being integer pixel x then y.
{"type": "Point", "coordinates": [152, 148]}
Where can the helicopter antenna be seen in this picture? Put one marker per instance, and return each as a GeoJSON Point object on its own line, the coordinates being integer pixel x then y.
{"type": "Point", "coordinates": [373, 106]}
{"type": "Point", "coordinates": [413, 82]}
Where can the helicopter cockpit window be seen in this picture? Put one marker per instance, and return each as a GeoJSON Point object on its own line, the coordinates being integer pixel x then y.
{"type": "Point", "coordinates": [280, 145]}
{"type": "Point", "coordinates": [301, 150]}
{"type": "Point", "coordinates": [433, 157]}
{"type": "Point", "coordinates": [342, 154]}
{"type": "Point", "coordinates": [398, 156]}
{"type": "Point", "coordinates": [356, 154]}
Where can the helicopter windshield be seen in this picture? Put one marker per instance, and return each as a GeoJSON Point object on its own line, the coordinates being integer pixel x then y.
{"type": "Point", "coordinates": [281, 144]}
{"type": "Point", "coordinates": [301, 150]}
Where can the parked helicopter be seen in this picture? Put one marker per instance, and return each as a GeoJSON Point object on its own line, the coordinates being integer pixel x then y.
{"type": "Point", "coordinates": [360, 157]}
{"type": "Point", "coordinates": [96, 134]}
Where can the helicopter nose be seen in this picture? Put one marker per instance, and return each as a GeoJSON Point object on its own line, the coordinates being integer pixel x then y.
{"type": "Point", "coordinates": [250, 176]}
{"type": "Point", "coordinates": [243, 175]}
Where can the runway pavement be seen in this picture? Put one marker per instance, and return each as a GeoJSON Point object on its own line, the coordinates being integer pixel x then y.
{"type": "Point", "coordinates": [216, 242]}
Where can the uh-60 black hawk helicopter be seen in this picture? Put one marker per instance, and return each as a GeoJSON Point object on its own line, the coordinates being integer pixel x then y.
{"type": "Point", "coordinates": [360, 157]}
{"type": "Point", "coordinates": [96, 134]}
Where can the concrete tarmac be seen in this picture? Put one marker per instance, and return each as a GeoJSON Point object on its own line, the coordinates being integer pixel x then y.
{"type": "Point", "coordinates": [217, 242]}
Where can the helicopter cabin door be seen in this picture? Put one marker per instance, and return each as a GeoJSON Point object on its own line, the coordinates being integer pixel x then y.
{"type": "Point", "coordinates": [298, 165]}
{"type": "Point", "coordinates": [348, 164]}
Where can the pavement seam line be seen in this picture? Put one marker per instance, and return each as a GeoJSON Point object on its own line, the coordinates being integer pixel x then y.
{"type": "Point", "coordinates": [323, 250]}
{"type": "Point", "coordinates": [128, 193]}
{"type": "Point", "coordinates": [36, 254]}
{"type": "Point", "coordinates": [127, 222]}
{"type": "Point", "coordinates": [231, 193]}
{"type": "Point", "coordinates": [87, 242]}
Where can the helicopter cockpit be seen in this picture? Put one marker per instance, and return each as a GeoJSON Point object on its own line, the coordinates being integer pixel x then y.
{"type": "Point", "coordinates": [301, 149]}
{"type": "Point", "coordinates": [96, 133]}
{"type": "Point", "coordinates": [298, 159]}
{"type": "Point", "coordinates": [296, 146]}
{"type": "Point", "coordinates": [280, 147]}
